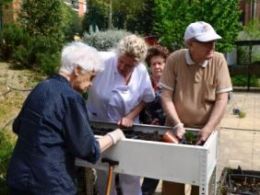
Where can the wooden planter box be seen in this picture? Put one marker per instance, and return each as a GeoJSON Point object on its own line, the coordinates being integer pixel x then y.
{"type": "Point", "coordinates": [191, 164]}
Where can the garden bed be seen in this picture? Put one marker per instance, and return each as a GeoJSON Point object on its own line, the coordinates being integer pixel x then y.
{"type": "Point", "coordinates": [189, 138]}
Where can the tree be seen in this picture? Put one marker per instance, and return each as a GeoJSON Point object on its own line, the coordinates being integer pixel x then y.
{"type": "Point", "coordinates": [173, 16]}
{"type": "Point", "coordinates": [97, 15]}
{"type": "Point", "coordinates": [42, 17]}
{"type": "Point", "coordinates": [124, 14]}
{"type": "Point", "coordinates": [142, 21]}
{"type": "Point", "coordinates": [42, 20]}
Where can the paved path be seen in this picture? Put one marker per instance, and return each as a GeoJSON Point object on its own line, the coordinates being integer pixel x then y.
{"type": "Point", "coordinates": [239, 141]}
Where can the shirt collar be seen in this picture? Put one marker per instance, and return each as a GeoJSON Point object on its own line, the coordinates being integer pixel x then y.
{"type": "Point", "coordinates": [189, 61]}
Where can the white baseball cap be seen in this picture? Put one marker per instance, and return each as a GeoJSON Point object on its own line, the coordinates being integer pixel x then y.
{"type": "Point", "coordinates": [201, 31]}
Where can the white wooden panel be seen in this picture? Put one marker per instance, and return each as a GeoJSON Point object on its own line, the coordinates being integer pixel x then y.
{"type": "Point", "coordinates": [173, 162]}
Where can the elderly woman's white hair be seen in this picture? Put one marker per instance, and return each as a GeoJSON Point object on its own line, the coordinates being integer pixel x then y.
{"type": "Point", "coordinates": [132, 45]}
{"type": "Point", "coordinates": [80, 54]}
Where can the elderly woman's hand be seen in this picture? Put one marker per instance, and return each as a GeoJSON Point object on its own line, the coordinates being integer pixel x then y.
{"type": "Point", "coordinates": [125, 122]}
{"type": "Point", "coordinates": [116, 135]}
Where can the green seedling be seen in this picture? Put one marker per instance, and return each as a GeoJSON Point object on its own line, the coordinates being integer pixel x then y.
{"type": "Point", "coordinates": [190, 137]}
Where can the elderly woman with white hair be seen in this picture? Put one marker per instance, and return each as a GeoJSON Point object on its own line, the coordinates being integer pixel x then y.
{"type": "Point", "coordinates": [53, 128]}
{"type": "Point", "coordinates": [118, 94]}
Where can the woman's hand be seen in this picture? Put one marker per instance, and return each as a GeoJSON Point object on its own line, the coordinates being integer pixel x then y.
{"type": "Point", "coordinates": [125, 122]}
{"type": "Point", "coordinates": [155, 121]}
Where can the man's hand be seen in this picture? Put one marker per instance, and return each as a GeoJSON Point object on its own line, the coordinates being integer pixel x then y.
{"type": "Point", "coordinates": [125, 122]}
{"type": "Point", "coordinates": [203, 135]}
{"type": "Point", "coordinates": [179, 130]}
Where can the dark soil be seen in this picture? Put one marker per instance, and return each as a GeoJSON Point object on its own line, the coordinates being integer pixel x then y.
{"type": "Point", "coordinates": [240, 182]}
{"type": "Point", "coordinates": [153, 136]}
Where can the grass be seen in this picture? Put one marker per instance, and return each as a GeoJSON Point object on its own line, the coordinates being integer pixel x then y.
{"type": "Point", "coordinates": [12, 95]}
{"type": "Point", "coordinates": [13, 85]}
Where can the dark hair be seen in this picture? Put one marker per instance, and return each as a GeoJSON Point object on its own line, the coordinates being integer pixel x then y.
{"type": "Point", "coordinates": [156, 50]}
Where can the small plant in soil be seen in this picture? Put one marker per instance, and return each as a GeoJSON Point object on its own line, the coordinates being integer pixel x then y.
{"type": "Point", "coordinates": [190, 137]}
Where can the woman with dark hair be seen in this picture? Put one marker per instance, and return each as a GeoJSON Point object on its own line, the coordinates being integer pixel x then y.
{"type": "Point", "coordinates": [153, 112]}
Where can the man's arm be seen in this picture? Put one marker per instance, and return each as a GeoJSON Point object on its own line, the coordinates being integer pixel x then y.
{"type": "Point", "coordinates": [215, 116]}
{"type": "Point", "coordinates": [170, 111]}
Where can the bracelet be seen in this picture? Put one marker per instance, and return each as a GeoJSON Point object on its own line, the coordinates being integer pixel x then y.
{"type": "Point", "coordinates": [177, 126]}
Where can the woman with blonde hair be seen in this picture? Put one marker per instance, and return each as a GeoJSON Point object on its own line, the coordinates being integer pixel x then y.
{"type": "Point", "coordinates": [118, 94]}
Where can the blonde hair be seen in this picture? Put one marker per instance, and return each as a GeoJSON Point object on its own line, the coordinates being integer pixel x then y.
{"type": "Point", "coordinates": [132, 45]}
{"type": "Point", "coordinates": [80, 54]}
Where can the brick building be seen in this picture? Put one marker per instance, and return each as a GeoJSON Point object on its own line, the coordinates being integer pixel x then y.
{"type": "Point", "coordinates": [10, 11]}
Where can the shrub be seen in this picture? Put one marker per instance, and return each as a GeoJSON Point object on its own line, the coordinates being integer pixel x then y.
{"type": "Point", "coordinates": [27, 51]}
{"type": "Point", "coordinates": [71, 22]}
{"type": "Point", "coordinates": [6, 148]}
{"type": "Point", "coordinates": [11, 36]}
{"type": "Point", "coordinates": [48, 62]}
{"type": "Point", "coordinates": [241, 80]}
{"type": "Point", "coordinates": [104, 40]}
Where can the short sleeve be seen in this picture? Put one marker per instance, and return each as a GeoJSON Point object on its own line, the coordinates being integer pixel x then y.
{"type": "Point", "coordinates": [167, 80]}
{"type": "Point", "coordinates": [223, 80]}
{"type": "Point", "coordinates": [148, 89]}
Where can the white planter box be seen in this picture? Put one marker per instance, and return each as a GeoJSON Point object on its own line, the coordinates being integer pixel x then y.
{"type": "Point", "coordinates": [181, 163]}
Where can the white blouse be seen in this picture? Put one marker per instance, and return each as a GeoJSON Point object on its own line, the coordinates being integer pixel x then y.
{"type": "Point", "coordinates": [110, 98]}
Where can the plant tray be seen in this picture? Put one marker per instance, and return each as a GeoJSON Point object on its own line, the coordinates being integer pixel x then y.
{"type": "Point", "coordinates": [239, 182]}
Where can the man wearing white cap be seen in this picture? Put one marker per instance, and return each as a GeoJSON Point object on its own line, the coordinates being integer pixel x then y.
{"type": "Point", "coordinates": [195, 86]}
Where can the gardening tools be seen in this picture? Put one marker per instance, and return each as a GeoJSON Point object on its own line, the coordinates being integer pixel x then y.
{"type": "Point", "coordinates": [111, 164]}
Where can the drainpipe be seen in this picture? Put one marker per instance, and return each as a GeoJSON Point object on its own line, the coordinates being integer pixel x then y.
{"type": "Point", "coordinates": [253, 9]}
{"type": "Point", "coordinates": [254, 16]}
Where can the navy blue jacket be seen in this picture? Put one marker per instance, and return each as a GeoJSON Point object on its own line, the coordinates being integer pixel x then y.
{"type": "Point", "coordinates": [53, 128]}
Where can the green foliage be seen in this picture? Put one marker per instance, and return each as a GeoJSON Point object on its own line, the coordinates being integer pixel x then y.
{"type": "Point", "coordinates": [104, 40]}
{"type": "Point", "coordinates": [172, 18]}
{"type": "Point", "coordinates": [26, 51]}
{"type": "Point", "coordinates": [190, 137]}
{"type": "Point", "coordinates": [11, 36]}
{"type": "Point", "coordinates": [71, 22]}
{"type": "Point", "coordinates": [97, 15]}
{"type": "Point", "coordinates": [42, 17]}
{"type": "Point", "coordinates": [125, 14]}
{"type": "Point", "coordinates": [142, 21]}
{"type": "Point", "coordinates": [251, 31]}
{"type": "Point", "coordinates": [37, 40]}
{"type": "Point", "coordinates": [5, 1]}
{"type": "Point", "coordinates": [135, 16]}
{"type": "Point", "coordinates": [48, 62]}
{"type": "Point", "coordinates": [6, 148]}
{"type": "Point", "coordinates": [241, 80]}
